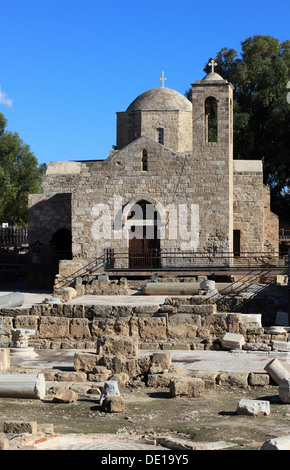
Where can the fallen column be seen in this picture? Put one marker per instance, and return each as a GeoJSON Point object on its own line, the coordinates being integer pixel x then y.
{"type": "Point", "coordinates": [22, 386]}
{"type": "Point", "coordinates": [4, 358]}
{"type": "Point", "coordinates": [13, 300]}
{"type": "Point", "coordinates": [277, 371]}
{"type": "Point", "coordinates": [190, 288]}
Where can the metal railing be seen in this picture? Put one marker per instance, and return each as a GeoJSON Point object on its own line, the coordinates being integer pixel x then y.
{"type": "Point", "coordinates": [13, 236]}
{"type": "Point", "coordinates": [160, 259]}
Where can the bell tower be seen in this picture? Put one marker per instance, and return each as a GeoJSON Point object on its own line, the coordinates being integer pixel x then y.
{"type": "Point", "coordinates": [212, 139]}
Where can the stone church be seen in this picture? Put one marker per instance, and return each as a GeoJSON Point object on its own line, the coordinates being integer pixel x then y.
{"type": "Point", "coordinates": [168, 193]}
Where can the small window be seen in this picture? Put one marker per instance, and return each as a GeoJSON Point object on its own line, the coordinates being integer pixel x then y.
{"type": "Point", "coordinates": [211, 123]}
{"type": "Point", "coordinates": [160, 135]}
{"type": "Point", "coordinates": [237, 243]}
{"type": "Point", "coordinates": [144, 161]}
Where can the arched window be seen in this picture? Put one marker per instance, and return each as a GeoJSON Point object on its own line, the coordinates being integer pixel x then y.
{"type": "Point", "coordinates": [211, 120]}
{"type": "Point", "coordinates": [144, 164]}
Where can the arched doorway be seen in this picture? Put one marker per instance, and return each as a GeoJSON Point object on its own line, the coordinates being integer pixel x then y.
{"type": "Point", "coordinates": [61, 243]}
{"type": "Point", "coordinates": [143, 221]}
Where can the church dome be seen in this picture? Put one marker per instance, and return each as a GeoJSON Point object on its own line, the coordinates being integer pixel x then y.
{"type": "Point", "coordinates": [160, 99]}
{"type": "Point", "coordinates": [212, 76]}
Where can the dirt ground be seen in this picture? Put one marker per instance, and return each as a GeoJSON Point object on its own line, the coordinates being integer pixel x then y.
{"type": "Point", "coordinates": [212, 418]}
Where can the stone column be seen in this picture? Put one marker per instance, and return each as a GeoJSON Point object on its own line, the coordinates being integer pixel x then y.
{"type": "Point", "coordinates": [22, 386]}
{"type": "Point", "coordinates": [20, 338]}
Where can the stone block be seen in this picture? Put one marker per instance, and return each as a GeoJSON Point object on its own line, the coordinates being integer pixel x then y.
{"type": "Point", "coordinates": [259, 379]}
{"type": "Point", "coordinates": [209, 377]}
{"type": "Point", "coordinates": [86, 361]}
{"type": "Point", "coordinates": [162, 359]}
{"type": "Point", "coordinates": [20, 427]}
{"type": "Point", "coordinates": [283, 346]}
{"type": "Point", "coordinates": [253, 407]}
{"type": "Point", "coordinates": [79, 328]}
{"type": "Point", "coordinates": [66, 293]}
{"type": "Point", "coordinates": [233, 341]}
{"type": "Point", "coordinates": [114, 404]}
{"type": "Point", "coordinates": [233, 379]}
{"type": "Point", "coordinates": [124, 345]}
{"type": "Point", "coordinates": [65, 395]}
{"type": "Point", "coordinates": [53, 327]}
{"type": "Point", "coordinates": [67, 376]}
{"type": "Point", "coordinates": [284, 390]}
{"type": "Point", "coordinates": [190, 387]}
{"type": "Point", "coordinates": [277, 443]}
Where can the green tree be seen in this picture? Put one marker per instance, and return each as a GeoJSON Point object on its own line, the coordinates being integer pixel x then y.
{"type": "Point", "coordinates": [260, 75]}
{"type": "Point", "coordinates": [20, 175]}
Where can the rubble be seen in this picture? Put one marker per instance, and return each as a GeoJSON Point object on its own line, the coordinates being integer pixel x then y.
{"type": "Point", "coordinates": [253, 407]}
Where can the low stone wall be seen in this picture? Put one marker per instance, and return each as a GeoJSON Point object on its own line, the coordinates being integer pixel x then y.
{"type": "Point", "coordinates": [180, 323]}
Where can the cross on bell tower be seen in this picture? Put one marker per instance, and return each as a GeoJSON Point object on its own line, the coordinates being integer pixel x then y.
{"type": "Point", "coordinates": [162, 79]}
{"type": "Point", "coordinates": [212, 63]}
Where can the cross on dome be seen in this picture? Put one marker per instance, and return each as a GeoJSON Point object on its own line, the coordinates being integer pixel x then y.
{"type": "Point", "coordinates": [212, 63]}
{"type": "Point", "coordinates": [162, 79]}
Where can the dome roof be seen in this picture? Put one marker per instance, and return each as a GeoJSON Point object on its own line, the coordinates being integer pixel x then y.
{"type": "Point", "coordinates": [161, 99]}
{"type": "Point", "coordinates": [212, 76]}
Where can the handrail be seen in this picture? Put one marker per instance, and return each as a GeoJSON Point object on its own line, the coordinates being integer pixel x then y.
{"type": "Point", "coordinates": [72, 276]}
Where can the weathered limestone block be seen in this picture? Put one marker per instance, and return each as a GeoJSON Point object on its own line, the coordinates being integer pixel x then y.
{"type": "Point", "coordinates": [124, 345]}
{"type": "Point", "coordinates": [256, 347]}
{"type": "Point", "coordinates": [4, 358]}
{"type": "Point", "coordinates": [208, 309]}
{"type": "Point", "coordinates": [284, 390]}
{"type": "Point", "coordinates": [6, 323]}
{"type": "Point", "coordinates": [79, 328]}
{"type": "Point", "coordinates": [68, 376]}
{"type": "Point", "coordinates": [114, 404]}
{"type": "Point", "coordinates": [152, 328]}
{"type": "Point", "coordinates": [277, 443]}
{"type": "Point", "coordinates": [99, 374]}
{"type": "Point", "coordinates": [181, 326]}
{"type": "Point", "coordinates": [66, 293]}
{"type": "Point", "coordinates": [276, 370]}
{"type": "Point", "coordinates": [216, 324]}
{"type": "Point", "coordinates": [187, 386]}
{"type": "Point", "coordinates": [86, 361]}
{"type": "Point", "coordinates": [253, 407]}
{"type": "Point", "coordinates": [209, 377]}
{"type": "Point", "coordinates": [20, 427]}
{"type": "Point", "coordinates": [28, 322]}
{"type": "Point", "coordinates": [161, 359]}
{"type": "Point", "coordinates": [283, 346]}
{"type": "Point", "coordinates": [232, 341]}
{"type": "Point", "coordinates": [259, 379]}
{"type": "Point", "coordinates": [233, 379]}
{"type": "Point", "coordinates": [65, 395]}
{"type": "Point", "coordinates": [53, 327]}
{"type": "Point", "coordinates": [22, 386]}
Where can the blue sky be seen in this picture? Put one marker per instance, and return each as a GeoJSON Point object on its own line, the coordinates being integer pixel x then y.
{"type": "Point", "coordinates": [67, 67]}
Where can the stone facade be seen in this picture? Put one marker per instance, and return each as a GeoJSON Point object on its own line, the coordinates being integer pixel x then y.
{"type": "Point", "coordinates": [163, 156]}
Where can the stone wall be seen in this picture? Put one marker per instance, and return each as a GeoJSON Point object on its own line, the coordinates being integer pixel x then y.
{"type": "Point", "coordinates": [177, 324]}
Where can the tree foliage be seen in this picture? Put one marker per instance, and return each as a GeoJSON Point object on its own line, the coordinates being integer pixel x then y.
{"type": "Point", "coordinates": [260, 75]}
{"type": "Point", "coordinates": [20, 175]}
